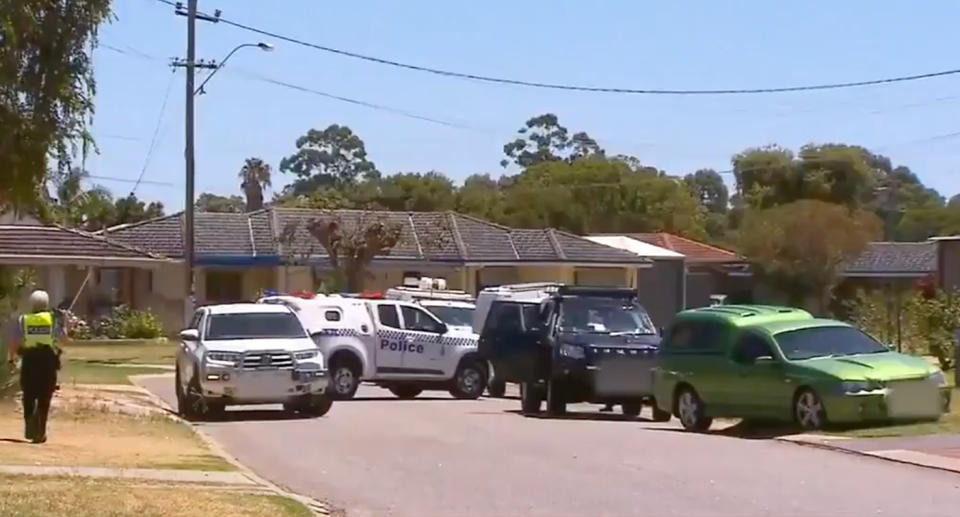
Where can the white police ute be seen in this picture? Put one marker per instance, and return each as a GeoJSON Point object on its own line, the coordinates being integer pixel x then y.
{"type": "Point", "coordinates": [396, 344]}
{"type": "Point", "coordinates": [246, 353]}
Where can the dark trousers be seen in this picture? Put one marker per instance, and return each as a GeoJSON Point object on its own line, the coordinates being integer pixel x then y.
{"type": "Point", "coordinates": [38, 381]}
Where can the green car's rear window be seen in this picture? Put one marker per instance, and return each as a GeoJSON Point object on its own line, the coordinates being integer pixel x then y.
{"type": "Point", "coordinates": [696, 337]}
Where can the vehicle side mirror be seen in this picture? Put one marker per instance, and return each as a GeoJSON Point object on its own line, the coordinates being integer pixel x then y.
{"type": "Point", "coordinates": [764, 359]}
{"type": "Point", "coordinates": [442, 329]}
{"type": "Point", "coordinates": [190, 335]}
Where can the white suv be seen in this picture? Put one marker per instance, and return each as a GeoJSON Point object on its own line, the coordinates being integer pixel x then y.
{"type": "Point", "coordinates": [395, 344]}
{"type": "Point", "coordinates": [248, 354]}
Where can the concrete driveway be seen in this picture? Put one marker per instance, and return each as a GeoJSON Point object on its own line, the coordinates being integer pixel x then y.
{"type": "Point", "coordinates": [435, 456]}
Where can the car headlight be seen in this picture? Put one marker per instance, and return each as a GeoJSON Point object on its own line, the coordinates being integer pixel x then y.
{"type": "Point", "coordinates": [939, 378]}
{"type": "Point", "coordinates": [305, 355]}
{"type": "Point", "coordinates": [227, 358]}
{"type": "Point", "coordinates": [572, 351]}
{"type": "Point", "coordinates": [855, 386]}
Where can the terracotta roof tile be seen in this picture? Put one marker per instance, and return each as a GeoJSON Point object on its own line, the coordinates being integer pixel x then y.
{"type": "Point", "coordinates": [694, 251]}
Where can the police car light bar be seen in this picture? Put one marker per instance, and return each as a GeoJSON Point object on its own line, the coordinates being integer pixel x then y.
{"type": "Point", "coordinates": [416, 293]}
{"type": "Point", "coordinates": [532, 286]}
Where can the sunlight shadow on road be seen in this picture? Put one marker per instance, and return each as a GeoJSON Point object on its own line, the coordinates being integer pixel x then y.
{"type": "Point", "coordinates": [584, 416]}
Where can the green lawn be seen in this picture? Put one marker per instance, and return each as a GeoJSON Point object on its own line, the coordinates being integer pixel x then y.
{"type": "Point", "coordinates": [146, 351]}
{"type": "Point", "coordinates": [94, 362]}
{"type": "Point", "coordinates": [86, 372]}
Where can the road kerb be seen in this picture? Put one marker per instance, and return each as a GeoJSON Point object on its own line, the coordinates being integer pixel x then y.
{"type": "Point", "coordinates": [905, 457]}
{"type": "Point", "coordinates": [319, 508]}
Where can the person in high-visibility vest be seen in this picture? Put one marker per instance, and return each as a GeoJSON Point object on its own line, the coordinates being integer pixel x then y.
{"type": "Point", "coordinates": [35, 341]}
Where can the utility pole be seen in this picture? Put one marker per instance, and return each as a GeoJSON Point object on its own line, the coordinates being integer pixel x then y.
{"type": "Point", "coordinates": [190, 64]}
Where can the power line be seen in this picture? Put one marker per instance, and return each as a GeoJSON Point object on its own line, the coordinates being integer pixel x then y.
{"type": "Point", "coordinates": [371, 105]}
{"type": "Point", "coordinates": [276, 82]}
{"type": "Point", "coordinates": [128, 180]}
{"type": "Point", "coordinates": [580, 88]}
{"type": "Point", "coordinates": [156, 132]}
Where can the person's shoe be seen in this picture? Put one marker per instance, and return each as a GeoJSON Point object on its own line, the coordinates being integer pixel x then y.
{"type": "Point", "coordinates": [39, 439]}
{"type": "Point", "coordinates": [28, 430]}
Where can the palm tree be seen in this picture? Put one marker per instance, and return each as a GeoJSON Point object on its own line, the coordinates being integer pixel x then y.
{"type": "Point", "coordinates": [90, 209]}
{"type": "Point", "coordinates": [254, 179]}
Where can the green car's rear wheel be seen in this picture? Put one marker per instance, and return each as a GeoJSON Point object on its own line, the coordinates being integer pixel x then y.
{"type": "Point", "coordinates": [808, 410]}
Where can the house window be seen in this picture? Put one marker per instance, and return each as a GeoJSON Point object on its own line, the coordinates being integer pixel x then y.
{"type": "Point", "coordinates": [224, 286]}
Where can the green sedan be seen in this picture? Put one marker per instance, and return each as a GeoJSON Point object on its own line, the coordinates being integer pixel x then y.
{"type": "Point", "coordinates": [778, 363]}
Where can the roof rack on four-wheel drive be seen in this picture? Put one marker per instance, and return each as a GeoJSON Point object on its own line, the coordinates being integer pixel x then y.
{"type": "Point", "coordinates": [418, 293]}
{"type": "Point", "coordinates": [605, 292]}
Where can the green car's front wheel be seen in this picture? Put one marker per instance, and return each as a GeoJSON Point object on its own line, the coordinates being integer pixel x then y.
{"type": "Point", "coordinates": [691, 411]}
{"type": "Point", "coordinates": [808, 410]}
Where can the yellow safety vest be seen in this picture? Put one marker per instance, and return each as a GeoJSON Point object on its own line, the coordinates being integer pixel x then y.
{"type": "Point", "coordinates": [37, 330]}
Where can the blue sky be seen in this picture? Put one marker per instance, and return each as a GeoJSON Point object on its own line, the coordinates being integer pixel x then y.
{"type": "Point", "coordinates": [731, 44]}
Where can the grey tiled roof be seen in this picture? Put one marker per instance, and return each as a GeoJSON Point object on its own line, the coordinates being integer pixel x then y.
{"type": "Point", "coordinates": [895, 257]}
{"type": "Point", "coordinates": [27, 240]}
{"type": "Point", "coordinates": [439, 236]}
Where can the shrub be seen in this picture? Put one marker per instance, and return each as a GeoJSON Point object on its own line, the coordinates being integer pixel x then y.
{"type": "Point", "coordinates": [123, 322]}
{"type": "Point", "coordinates": [929, 318]}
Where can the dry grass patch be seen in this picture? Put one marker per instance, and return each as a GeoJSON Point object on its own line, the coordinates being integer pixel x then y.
{"type": "Point", "coordinates": [86, 435]}
{"type": "Point", "coordinates": [83, 497]}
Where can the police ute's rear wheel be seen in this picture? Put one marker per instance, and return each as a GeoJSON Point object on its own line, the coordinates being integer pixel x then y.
{"type": "Point", "coordinates": [530, 399]}
{"type": "Point", "coordinates": [345, 379]}
{"type": "Point", "coordinates": [405, 391]}
{"type": "Point", "coordinates": [469, 381]}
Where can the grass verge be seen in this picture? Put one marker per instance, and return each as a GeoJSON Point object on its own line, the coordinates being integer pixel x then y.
{"type": "Point", "coordinates": [948, 424]}
{"type": "Point", "coordinates": [83, 497]}
{"type": "Point", "coordinates": [96, 437]}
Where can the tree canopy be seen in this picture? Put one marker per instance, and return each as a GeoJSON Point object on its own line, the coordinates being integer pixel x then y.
{"type": "Point", "coordinates": [208, 202]}
{"type": "Point", "coordinates": [46, 90]}
{"type": "Point", "coordinates": [800, 247]}
{"type": "Point", "coordinates": [333, 157]}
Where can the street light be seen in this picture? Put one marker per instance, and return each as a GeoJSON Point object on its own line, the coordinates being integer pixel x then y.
{"type": "Point", "coordinates": [188, 208]}
{"type": "Point", "coordinates": [266, 47]}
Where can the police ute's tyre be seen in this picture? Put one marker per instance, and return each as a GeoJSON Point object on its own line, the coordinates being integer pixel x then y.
{"type": "Point", "coordinates": [315, 406]}
{"type": "Point", "coordinates": [469, 381]}
{"type": "Point", "coordinates": [344, 380]}
{"type": "Point", "coordinates": [530, 399]}
{"type": "Point", "coordinates": [405, 392]}
{"type": "Point", "coordinates": [631, 409]}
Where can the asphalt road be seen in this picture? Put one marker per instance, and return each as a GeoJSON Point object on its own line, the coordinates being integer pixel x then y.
{"type": "Point", "coordinates": [435, 456]}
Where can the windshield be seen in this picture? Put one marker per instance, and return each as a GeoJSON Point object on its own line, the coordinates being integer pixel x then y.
{"type": "Point", "coordinates": [826, 341]}
{"type": "Point", "coordinates": [453, 316]}
{"type": "Point", "coordinates": [253, 325]}
{"type": "Point", "coordinates": [606, 315]}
